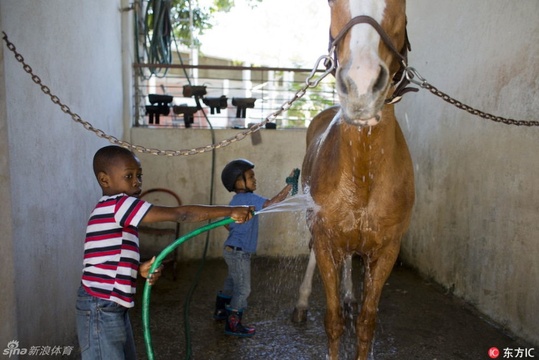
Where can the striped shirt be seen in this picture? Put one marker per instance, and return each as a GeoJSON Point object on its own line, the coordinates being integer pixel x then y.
{"type": "Point", "coordinates": [111, 249]}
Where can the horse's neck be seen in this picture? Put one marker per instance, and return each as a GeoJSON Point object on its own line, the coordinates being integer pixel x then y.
{"type": "Point", "coordinates": [369, 147]}
{"type": "Point", "coordinates": [365, 156]}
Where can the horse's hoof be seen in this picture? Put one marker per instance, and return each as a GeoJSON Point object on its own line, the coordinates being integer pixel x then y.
{"type": "Point", "coordinates": [299, 315]}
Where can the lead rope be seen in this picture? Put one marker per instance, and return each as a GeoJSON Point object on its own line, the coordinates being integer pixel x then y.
{"type": "Point", "coordinates": [310, 82]}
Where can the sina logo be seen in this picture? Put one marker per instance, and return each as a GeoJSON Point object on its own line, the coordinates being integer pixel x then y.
{"type": "Point", "coordinates": [13, 349]}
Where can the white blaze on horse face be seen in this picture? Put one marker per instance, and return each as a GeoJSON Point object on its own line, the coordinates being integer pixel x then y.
{"type": "Point", "coordinates": [363, 75]}
{"type": "Point", "coordinates": [364, 64]}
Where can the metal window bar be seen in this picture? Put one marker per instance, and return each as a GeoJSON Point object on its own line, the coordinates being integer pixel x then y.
{"type": "Point", "coordinates": [270, 86]}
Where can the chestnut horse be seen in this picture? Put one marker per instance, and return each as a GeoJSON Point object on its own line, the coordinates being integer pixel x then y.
{"type": "Point", "coordinates": [357, 166]}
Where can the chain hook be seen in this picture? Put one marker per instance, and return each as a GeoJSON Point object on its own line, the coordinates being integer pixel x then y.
{"type": "Point", "coordinates": [413, 76]}
{"type": "Point", "coordinates": [328, 61]}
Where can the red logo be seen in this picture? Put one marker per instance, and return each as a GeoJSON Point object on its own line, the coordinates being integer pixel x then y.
{"type": "Point", "coordinates": [493, 352]}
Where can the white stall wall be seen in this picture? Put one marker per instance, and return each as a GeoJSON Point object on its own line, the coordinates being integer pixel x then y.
{"type": "Point", "coordinates": [48, 188]}
{"type": "Point", "coordinates": [475, 227]}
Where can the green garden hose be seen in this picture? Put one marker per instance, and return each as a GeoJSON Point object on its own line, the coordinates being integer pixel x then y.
{"type": "Point", "coordinates": [157, 262]}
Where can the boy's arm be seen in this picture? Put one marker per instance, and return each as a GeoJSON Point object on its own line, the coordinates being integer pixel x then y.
{"type": "Point", "coordinates": [279, 197]}
{"type": "Point", "coordinates": [195, 213]}
{"type": "Point", "coordinates": [285, 191]}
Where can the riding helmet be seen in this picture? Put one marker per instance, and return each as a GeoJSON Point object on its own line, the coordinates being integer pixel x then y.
{"type": "Point", "coordinates": [233, 170]}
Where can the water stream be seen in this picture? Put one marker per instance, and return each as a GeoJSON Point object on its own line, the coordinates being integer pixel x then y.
{"type": "Point", "coordinates": [298, 202]}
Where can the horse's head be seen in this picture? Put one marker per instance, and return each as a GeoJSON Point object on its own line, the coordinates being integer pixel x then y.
{"type": "Point", "coordinates": [366, 61]}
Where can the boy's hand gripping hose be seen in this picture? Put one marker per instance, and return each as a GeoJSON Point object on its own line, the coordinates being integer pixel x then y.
{"type": "Point", "coordinates": [157, 262]}
{"type": "Point", "coordinates": [293, 180]}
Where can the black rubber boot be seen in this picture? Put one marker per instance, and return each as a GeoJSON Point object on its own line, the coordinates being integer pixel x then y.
{"type": "Point", "coordinates": [221, 302]}
{"type": "Point", "coordinates": [233, 325]}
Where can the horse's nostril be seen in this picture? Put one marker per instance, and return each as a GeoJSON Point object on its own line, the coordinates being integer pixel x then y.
{"type": "Point", "coordinates": [341, 83]}
{"type": "Point", "coordinates": [381, 81]}
{"type": "Point", "coordinates": [347, 85]}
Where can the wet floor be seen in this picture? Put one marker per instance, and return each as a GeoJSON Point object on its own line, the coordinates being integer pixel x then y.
{"type": "Point", "coordinates": [417, 319]}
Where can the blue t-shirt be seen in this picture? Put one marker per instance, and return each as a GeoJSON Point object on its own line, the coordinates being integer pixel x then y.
{"type": "Point", "coordinates": [245, 235]}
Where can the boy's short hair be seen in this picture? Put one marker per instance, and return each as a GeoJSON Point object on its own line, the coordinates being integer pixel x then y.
{"type": "Point", "coordinates": [105, 156]}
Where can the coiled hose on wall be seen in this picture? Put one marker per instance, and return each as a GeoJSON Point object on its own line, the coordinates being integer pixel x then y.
{"type": "Point", "coordinates": [154, 35]}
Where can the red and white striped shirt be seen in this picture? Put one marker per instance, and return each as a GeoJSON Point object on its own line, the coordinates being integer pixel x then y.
{"type": "Point", "coordinates": [111, 249]}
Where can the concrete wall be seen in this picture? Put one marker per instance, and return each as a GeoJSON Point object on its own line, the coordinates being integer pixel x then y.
{"type": "Point", "coordinates": [47, 187]}
{"type": "Point", "coordinates": [475, 228]}
{"type": "Point", "coordinates": [8, 305]}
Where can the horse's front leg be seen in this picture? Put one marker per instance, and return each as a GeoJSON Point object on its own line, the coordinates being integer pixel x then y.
{"type": "Point", "coordinates": [329, 266]}
{"type": "Point", "coordinates": [300, 310]}
{"type": "Point", "coordinates": [376, 273]}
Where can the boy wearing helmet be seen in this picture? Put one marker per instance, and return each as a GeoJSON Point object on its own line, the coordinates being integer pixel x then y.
{"type": "Point", "coordinates": [239, 176]}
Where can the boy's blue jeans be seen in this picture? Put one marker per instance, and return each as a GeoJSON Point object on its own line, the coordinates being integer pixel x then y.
{"type": "Point", "coordinates": [238, 281]}
{"type": "Point", "coordinates": [103, 329]}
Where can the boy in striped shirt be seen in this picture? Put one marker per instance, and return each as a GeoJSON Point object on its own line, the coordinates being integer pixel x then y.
{"type": "Point", "coordinates": [111, 253]}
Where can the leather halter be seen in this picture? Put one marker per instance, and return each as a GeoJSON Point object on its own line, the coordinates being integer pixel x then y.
{"type": "Point", "coordinates": [398, 79]}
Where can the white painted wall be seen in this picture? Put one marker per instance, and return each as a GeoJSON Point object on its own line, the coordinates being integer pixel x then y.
{"type": "Point", "coordinates": [475, 227]}
{"type": "Point", "coordinates": [8, 308]}
{"type": "Point", "coordinates": [48, 188]}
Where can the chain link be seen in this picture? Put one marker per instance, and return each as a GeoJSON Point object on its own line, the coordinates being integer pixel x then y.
{"type": "Point", "coordinates": [310, 82]}
{"type": "Point", "coordinates": [413, 76]}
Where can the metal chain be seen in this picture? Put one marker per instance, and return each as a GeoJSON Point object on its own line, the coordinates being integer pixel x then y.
{"type": "Point", "coordinates": [413, 76]}
{"type": "Point", "coordinates": [310, 82]}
